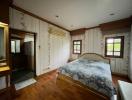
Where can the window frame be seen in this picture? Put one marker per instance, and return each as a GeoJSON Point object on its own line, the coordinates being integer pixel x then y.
{"type": "Point", "coordinates": [76, 44]}
{"type": "Point", "coordinates": [121, 49]}
{"type": "Point", "coordinates": [16, 46]}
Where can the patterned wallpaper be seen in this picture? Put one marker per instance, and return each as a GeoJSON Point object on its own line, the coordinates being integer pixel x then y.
{"type": "Point", "coordinates": [94, 42]}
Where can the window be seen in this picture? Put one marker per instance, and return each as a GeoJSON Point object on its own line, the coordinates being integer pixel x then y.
{"type": "Point", "coordinates": [114, 46]}
{"type": "Point", "coordinates": [77, 45]}
{"type": "Point", "coordinates": [15, 46]}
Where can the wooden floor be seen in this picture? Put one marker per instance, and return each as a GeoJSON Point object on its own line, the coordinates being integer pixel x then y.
{"type": "Point", "coordinates": [47, 88]}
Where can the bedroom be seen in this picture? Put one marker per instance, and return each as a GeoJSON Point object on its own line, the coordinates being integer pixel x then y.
{"type": "Point", "coordinates": [78, 49]}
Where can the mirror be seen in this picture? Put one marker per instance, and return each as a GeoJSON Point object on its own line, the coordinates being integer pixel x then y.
{"type": "Point", "coordinates": [3, 44]}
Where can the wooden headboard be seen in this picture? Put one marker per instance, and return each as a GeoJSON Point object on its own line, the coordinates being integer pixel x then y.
{"type": "Point", "coordinates": [94, 56]}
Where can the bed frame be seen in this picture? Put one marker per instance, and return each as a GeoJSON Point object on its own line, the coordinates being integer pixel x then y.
{"type": "Point", "coordinates": [94, 56]}
{"type": "Point", "coordinates": [95, 94]}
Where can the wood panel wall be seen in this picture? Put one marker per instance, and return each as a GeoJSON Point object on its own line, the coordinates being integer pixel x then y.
{"type": "Point", "coordinates": [119, 24]}
{"type": "Point", "coordinates": [78, 31]}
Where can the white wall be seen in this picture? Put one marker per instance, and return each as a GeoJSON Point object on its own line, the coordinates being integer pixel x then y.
{"type": "Point", "coordinates": [130, 67]}
{"type": "Point", "coordinates": [60, 46]}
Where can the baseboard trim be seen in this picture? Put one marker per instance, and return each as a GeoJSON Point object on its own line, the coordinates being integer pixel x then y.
{"type": "Point", "coordinates": [120, 75]}
{"type": "Point", "coordinates": [48, 72]}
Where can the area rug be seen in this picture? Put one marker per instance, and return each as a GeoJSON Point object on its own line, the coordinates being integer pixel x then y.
{"type": "Point", "coordinates": [25, 83]}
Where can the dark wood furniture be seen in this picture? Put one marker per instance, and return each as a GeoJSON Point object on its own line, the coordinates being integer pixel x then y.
{"type": "Point", "coordinates": [4, 11]}
{"type": "Point", "coordinates": [5, 71]}
{"type": "Point", "coordinates": [21, 34]}
{"type": "Point", "coordinates": [5, 93]}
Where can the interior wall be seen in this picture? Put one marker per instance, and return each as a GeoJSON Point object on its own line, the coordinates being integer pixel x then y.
{"type": "Point", "coordinates": [120, 65]}
{"type": "Point", "coordinates": [58, 49]}
{"type": "Point", "coordinates": [22, 21]}
{"type": "Point", "coordinates": [77, 37]}
{"type": "Point", "coordinates": [130, 67]}
{"type": "Point", "coordinates": [94, 42]}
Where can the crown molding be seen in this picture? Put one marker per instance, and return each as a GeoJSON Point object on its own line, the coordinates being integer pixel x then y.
{"type": "Point", "coordinates": [36, 16]}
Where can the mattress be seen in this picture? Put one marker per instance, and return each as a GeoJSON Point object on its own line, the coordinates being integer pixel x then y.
{"type": "Point", "coordinates": [94, 74]}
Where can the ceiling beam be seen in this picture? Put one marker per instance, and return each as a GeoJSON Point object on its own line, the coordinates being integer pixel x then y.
{"type": "Point", "coordinates": [118, 24]}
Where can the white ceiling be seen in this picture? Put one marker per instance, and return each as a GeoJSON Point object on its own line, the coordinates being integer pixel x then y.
{"type": "Point", "coordinates": [75, 14]}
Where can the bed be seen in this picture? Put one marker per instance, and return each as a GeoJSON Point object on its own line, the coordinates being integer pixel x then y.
{"type": "Point", "coordinates": [92, 72]}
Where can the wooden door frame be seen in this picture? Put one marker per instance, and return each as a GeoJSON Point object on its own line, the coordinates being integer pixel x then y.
{"type": "Point", "coordinates": [11, 31]}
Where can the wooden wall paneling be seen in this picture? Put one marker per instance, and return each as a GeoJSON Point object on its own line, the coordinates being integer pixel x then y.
{"type": "Point", "coordinates": [66, 48]}
{"type": "Point", "coordinates": [93, 41]}
{"type": "Point", "coordinates": [35, 25]}
{"type": "Point", "coordinates": [59, 44]}
{"type": "Point", "coordinates": [22, 21]}
{"type": "Point", "coordinates": [28, 20]}
{"type": "Point", "coordinates": [120, 65]}
{"type": "Point", "coordinates": [98, 43]}
{"type": "Point", "coordinates": [77, 37]}
{"type": "Point", "coordinates": [130, 60]}
{"type": "Point", "coordinates": [113, 64]}
{"type": "Point", "coordinates": [38, 60]}
{"type": "Point", "coordinates": [56, 51]}
{"type": "Point", "coordinates": [44, 50]}
{"type": "Point", "coordinates": [78, 31]}
{"type": "Point", "coordinates": [11, 23]}
{"type": "Point", "coordinates": [18, 20]}
{"type": "Point", "coordinates": [119, 24]}
{"type": "Point", "coordinates": [35, 16]}
{"type": "Point", "coordinates": [55, 44]}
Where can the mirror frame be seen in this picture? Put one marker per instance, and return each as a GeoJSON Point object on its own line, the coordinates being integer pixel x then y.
{"type": "Point", "coordinates": [5, 62]}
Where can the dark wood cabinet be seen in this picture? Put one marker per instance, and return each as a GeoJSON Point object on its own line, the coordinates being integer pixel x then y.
{"type": "Point", "coordinates": [8, 92]}
{"type": "Point", "coordinates": [4, 11]}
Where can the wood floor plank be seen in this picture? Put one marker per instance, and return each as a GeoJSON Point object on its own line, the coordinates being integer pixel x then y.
{"type": "Point", "coordinates": [47, 88]}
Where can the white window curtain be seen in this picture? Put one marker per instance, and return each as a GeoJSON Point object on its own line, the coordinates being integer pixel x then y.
{"type": "Point", "coordinates": [93, 41]}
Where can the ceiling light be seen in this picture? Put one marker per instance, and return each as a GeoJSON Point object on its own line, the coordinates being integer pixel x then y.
{"type": "Point", "coordinates": [57, 16]}
{"type": "Point", "coordinates": [112, 14]}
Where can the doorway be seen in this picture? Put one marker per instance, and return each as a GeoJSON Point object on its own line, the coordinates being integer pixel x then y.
{"type": "Point", "coordinates": [22, 55]}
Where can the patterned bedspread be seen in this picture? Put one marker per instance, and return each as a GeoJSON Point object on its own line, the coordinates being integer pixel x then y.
{"type": "Point", "coordinates": [94, 74]}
